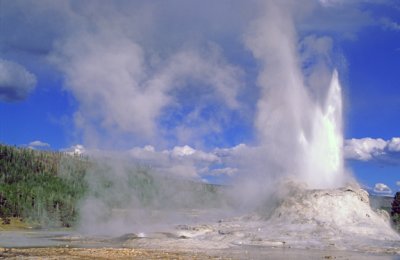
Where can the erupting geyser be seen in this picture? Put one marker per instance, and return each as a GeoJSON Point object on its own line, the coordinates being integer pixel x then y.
{"type": "Point", "coordinates": [299, 116]}
{"type": "Point", "coordinates": [323, 158]}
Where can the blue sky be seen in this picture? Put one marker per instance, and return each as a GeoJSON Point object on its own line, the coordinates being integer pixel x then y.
{"type": "Point", "coordinates": [127, 74]}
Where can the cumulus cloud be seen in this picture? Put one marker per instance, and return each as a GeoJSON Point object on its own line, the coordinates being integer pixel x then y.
{"type": "Point", "coordinates": [394, 144]}
{"type": "Point", "coordinates": [183, 151]}
{"type": "Point", "coordinates": [370, 149]}
{"type": "Point", "coordinates": [188, 162]}
{"type": "Point", "coordinates": [77, 149]}
{"type": "Point", "coordinates": [229, 152]}
{"type": "Point", "coordinates": [382, 188]}
{"type": "Point", "coordinates": [38, 144]}
{"type": "Point", "coordinates": [195, 164]}
{"type": "Point", "coordinates": [183, 161]}
{"type": "Point", "coordinates": [16, 83]}
{"type": "Point", "coordinates": [364, 149]}
{"type": "Point", "coordinates": [188, 152]}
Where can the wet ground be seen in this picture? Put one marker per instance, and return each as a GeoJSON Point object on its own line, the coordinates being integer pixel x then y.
{"type": "Point", "coordinates": [66, 244]}
{"type": "Point", "coordinates": [130, 253]}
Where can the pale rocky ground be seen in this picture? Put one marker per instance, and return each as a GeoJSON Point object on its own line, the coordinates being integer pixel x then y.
{"type": "Point", "coordinates": [337, 219]}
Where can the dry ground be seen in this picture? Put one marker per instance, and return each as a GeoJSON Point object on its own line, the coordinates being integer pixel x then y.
{"type": "Point", "coordinates": [96, 253]}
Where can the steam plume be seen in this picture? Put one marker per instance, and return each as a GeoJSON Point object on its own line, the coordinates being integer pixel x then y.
{"type": "Point", "coordinates": [301, 131]}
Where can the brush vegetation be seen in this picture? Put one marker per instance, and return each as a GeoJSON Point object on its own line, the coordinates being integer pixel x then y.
{"type": "Point", "coordinates": [46, 188]}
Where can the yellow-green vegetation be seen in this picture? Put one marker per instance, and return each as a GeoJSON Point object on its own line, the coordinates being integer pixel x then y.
{"type": "Point", "coordinates": [40, 187]}
{"type": "Point", "coordinates": [44, 188]}
{"type": "Point", "coordinates": [17, 224]}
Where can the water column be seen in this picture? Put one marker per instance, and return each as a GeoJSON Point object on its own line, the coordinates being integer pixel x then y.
{"type": "Point", "coordinates": [323, 156]}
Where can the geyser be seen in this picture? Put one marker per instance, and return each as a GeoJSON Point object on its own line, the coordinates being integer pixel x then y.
{"type": "Point", "coordinates": [323, 156]}
{"type": "Point", "coordinates": [299, 117]}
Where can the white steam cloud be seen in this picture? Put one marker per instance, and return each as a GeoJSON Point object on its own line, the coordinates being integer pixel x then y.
{"type": "Point", "coordinates": [16, 83]}
{"type": "Point", "coordinates": [128, 84]}
{"type": "Point", "coordinates": [118, 89]}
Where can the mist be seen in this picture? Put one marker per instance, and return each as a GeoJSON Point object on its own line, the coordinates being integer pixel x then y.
{"type": "Point", "coordinates": [297, 118]}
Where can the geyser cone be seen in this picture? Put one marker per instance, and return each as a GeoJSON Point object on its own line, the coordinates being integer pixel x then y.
{"type": "Point", "coordinates": [329, 219]}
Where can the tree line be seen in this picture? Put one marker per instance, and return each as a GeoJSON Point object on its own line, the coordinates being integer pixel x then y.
{"type": "Point", "coordinates": [40, 186]}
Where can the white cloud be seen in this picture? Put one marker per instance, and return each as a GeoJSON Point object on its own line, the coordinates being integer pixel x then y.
{"type": "Point", "coordinates": [149, 148]}
{"type": "Point", "coordinates": [188, 152]}
{"type": "Point", "coordinates": [394, 144]}
{"type": "Point", "coordinates": [382, 188]}
{"type": "Point", "coordinates": [182, 151]}
{"type": "Point", "coordinates": [370, 149]}
{"type": "Point", "coordinates": [77, 149]}
{"type": "Point", "coordinates": [398, 183]}
{"type": "Point", "coordinates": [240, 158]}
{"type": "Point", "coordinates": [364, 149]}
{"type": "Point", "coordinates": [16, 83]}
{"type": "Point", "coordinates": [186, 161]}
{"type": "Point", "coordinates": [38, 144]}
{"type": "Point", "coordinates": [229, 152]}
